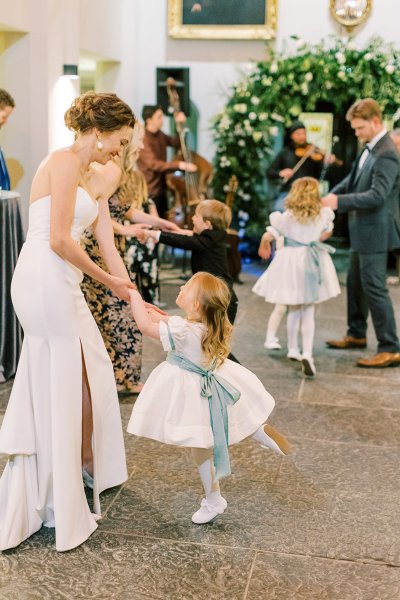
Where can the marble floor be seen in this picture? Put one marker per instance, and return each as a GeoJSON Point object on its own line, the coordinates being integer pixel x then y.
{"type": "Point", "coordinates": [321, 524]}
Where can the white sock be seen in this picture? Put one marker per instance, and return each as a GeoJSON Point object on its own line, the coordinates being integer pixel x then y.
{"type": "Point", "coordinates": [293, 325]}
{"type": "Point", "coordinates": [274, 321]}
{"type": "Point", "coordinates": [308, 329]}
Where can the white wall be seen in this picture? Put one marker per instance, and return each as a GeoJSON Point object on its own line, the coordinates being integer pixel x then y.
{"type": "Point", "coordinates": [130, 36]}
{"type": "Point", "coordinates": [216, 65]}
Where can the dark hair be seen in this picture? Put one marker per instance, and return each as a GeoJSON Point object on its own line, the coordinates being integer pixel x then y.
{"type": "Point", "coordinates": [148, 111]}
{"type": "Point", "coordinates": [6, 99]}
{"type": "Point", "coordinates": [107, 112]}
{"type": "Point", "coordinates": [365, 109]}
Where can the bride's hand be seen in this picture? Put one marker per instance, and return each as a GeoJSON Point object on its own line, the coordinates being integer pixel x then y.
{"type": "Point", "coordinates": [120, 287]}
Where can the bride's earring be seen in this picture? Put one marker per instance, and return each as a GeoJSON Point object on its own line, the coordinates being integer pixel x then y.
{"type": "Point", "coordinates": [99, 144]}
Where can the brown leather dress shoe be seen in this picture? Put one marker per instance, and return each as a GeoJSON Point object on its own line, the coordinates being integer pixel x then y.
{"type": "Point", "coordinates": [380, 360]}
{"type": "Point", "coordinates": [348, 342]}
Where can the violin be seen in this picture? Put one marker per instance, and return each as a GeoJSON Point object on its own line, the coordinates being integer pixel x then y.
{"type": "Point", "coordinates": [312, 152]}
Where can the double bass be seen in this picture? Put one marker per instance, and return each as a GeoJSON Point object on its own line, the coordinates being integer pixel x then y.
{"type": "Point", "coordinates": [188, 188]}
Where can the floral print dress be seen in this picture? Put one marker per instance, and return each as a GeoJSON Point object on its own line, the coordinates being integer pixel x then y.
{"type": "Point", "coordinates": [113, 316]}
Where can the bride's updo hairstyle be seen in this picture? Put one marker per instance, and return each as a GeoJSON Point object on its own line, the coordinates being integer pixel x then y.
{"type": "Point", "coordinates": [104, 111]}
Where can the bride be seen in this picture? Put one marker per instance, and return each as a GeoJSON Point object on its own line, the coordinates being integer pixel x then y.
{"type": "Point", "coordinates": [63, 417]}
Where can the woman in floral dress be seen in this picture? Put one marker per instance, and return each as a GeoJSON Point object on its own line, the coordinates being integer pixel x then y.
{"type": "Point", "coordinates": [121, 336]}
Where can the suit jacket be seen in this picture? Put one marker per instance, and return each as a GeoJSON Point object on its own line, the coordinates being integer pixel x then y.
{"type": "Point", "coordinates": [209, 251]}
{"type": "Point", "coordinates": [371, 197]}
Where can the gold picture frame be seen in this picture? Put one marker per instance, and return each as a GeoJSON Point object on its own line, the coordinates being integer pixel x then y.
{"type": "Point", "coordinates": [182, 27]}
{"type": "Point", "coordinates": [349, 15]}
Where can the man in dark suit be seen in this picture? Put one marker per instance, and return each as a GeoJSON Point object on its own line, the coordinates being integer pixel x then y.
{"type": "Point", "coordinates": [370, 194]}
{"type": "Point", "coordinates": [7, 105]}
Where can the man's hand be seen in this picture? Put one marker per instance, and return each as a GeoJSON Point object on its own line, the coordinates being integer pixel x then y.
{"type": "Point", "coordinates": [286, 173]}
{"type": "Point", "coordinates": [331, 201]}
{"type": "Point", "coordinates": [180, 117]}
{"type": "Point", "coordinates": [187, 166]}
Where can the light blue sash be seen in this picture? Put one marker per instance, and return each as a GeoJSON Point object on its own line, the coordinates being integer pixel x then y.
{"type": "Point", "coordinates": [219, 394]}
{"type": "Point", "coordinates": [313, 271]}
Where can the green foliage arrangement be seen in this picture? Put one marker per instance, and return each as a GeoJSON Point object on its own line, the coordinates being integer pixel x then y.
{"type": "Point", "coordinates": [274, 93]}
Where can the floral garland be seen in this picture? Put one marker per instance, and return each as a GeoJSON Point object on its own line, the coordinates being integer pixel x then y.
{"type": "Point", "coordinates": [276, 91]}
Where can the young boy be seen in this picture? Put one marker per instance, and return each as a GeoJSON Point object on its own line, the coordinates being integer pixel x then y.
{"type": "Point", "coordinates": [207, 242]}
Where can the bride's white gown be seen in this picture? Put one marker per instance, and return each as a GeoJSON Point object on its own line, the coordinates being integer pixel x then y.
{"type": "Point", "coordinates": [42, 427]}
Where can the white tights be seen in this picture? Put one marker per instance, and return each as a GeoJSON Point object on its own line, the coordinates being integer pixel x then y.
{"type": "Point", "coordinates": [204, 460]}
{"type": "Point", "coordinates": [274, 321]}
{"type": "Point", "coordinates": [301, 316]}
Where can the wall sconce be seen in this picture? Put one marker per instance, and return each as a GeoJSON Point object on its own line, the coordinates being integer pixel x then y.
{"type": "Point", "coordinates": [71, 71]}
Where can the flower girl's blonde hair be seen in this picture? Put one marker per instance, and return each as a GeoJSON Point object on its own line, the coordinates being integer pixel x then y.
{"type": "Point", "coordinates": [304, 200]}
{"type": "Point", "coordinates": [213, 296]}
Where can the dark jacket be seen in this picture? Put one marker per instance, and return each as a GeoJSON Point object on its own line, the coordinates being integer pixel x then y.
{"type": "Point", "coordinates": [287, 159]}
{"type": "Point", "coordinates": [209, 251]}
{"type": "Point", "coordinates": [371, 197]}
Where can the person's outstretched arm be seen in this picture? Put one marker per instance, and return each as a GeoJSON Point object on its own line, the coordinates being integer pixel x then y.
{"type": "Point", "coordinates": [144, 321]}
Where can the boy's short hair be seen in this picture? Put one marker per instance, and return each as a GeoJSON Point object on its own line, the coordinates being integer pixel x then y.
{"type": "Point", "coordinates": [6, 99]}
{"type": "Point", "coordinates": [218, 213]}
{"type": "Point", "coordinates": [148, 111]}
{"type": "Point", "coordinates": [365, 109]}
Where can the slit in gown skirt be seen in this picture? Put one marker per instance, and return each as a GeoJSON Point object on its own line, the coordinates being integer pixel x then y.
{"type": "Point", "coordinates": [42, 427]}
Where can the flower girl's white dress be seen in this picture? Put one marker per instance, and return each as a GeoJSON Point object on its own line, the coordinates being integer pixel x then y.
{"type": "Point", "coordinates": [42, 427]}
{"type": "Point", "coordinates": [284, 280]}
{"type": "Point", "coordinates": [170, 407]}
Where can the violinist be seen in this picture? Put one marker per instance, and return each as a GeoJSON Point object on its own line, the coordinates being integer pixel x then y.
{"type": "Point", "coordinates": [153, 158]}
{"type": "Point", "coordinates": [297, 159]}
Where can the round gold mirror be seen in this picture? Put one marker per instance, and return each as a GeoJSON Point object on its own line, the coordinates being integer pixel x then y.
{"type": "Point", "coordinates": [350, 12]}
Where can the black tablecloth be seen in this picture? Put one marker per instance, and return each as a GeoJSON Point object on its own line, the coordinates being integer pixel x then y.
{"type": "Point", "coordinates": [11, 240]}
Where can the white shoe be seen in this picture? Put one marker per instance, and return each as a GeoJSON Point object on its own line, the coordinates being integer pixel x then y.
{"type": "Point", "coordinates": [294, 355]}
{"type": "Point", "coordinates": [207, 512]}
{"type": "Point", "coordinates": [272, 344]}
{"type": "Point", "coordinates": [308, 366]}
{"type": "Point", "coordinates": [87, 479]}
{"type": "Point", "coordinates": [271, 438]}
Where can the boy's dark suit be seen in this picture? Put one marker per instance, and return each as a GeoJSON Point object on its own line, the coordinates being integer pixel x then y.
{"type": "Point", "coordinates": [209, 254]}
{"type": "Point", "coordinates": [370, 195]}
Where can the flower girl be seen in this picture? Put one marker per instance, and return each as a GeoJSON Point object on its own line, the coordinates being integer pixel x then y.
{"type": "Point", "coordinates": [198, 398]}
{"type": "Point", "coordinates": [302, 272]}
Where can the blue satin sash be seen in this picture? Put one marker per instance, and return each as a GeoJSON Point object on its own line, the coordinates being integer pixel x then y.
{"type": "Point", "coordinates": [313, 271]}
{"type": "Point", "coordinates": [219, 393]}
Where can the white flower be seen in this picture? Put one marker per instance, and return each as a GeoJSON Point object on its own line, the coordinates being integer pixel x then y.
{"type": "Point", "coordinates": [252, 116]}
{"type": "Point", "coordinates": [273, 68]}
{"type": "Point", "coordinates": [304, 88]}
{"type": "Point", "coordinates": [263, 116]}
{"type": "Point", "coordinates": [224, 162]}
{"type": "Point", "coordinates": [257, 136]}
{"type": "Point", "coordinates": [276, 117]}
{"type": "Point", "coordinates": [341, 75]}
{"type": "Point", "coordinates": [352, 46]}
{"type": "Point", "coordinates": [240, 108]}
{"type": "Point", "coordinates": [266, 81]}
{"type": "Point", "coordinates": [368, 56]}
{"type": "Point", "coordinates": [390, 69]}
{"type": "Point", "coordinates": [241, 143]}
{"type": "Point", "coordinates": [340, 57]}
{"type": "Point", "coordinates": [255, 100]}
{"type": "Point", "coordinates": [225, 122]}
{"type": "Point", "coordinates": [274, 130]}
{"type": "Point", "coordinates": [309, 76]}
{"type": "Point", "coordinates": [295, 110]}
{"type": "Point", "coordinates": [328, 85]}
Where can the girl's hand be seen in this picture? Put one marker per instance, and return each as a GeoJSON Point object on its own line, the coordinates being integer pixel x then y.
{"type": "Point", "coordinates": [120, 287]}
{"type": "Point", "coordinates": [264, 250]}
{"type": "Point", "coordinates": [152, 308]}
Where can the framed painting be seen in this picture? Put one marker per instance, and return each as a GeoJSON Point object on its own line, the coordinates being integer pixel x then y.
{"type": "Point", "coordinates": [222, 19]}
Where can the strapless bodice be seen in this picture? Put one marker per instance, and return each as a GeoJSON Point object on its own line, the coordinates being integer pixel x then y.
{"type": "Point", "coordinates": [85, 213]}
